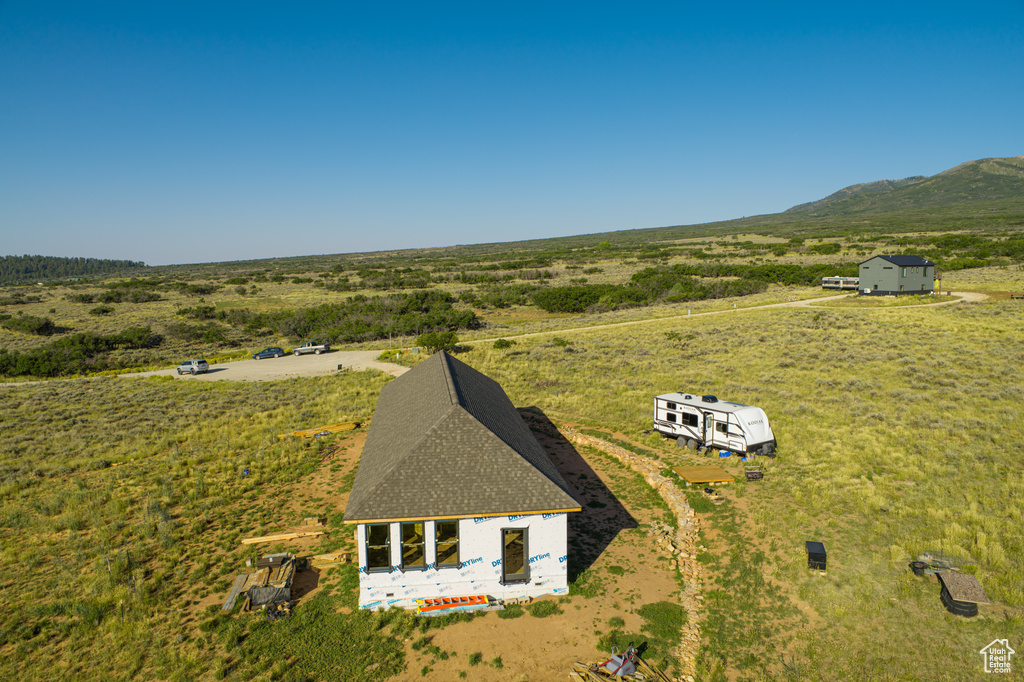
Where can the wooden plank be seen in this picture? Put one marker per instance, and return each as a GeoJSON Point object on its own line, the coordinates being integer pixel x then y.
{"type": "Point", "coordinates": [236, 589]}
{"type": "Point", "coordinates": [704, 474]}
{"type": "Point", "coordinates": [330, 428]}
{"type": "Point", "coordinates": [283, 536]}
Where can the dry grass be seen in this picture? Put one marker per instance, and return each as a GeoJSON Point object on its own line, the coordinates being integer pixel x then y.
{"type": "Point", "coordinates": [895, 434]}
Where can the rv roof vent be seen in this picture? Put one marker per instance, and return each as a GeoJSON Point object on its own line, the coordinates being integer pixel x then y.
{"type": "Point", "coordinates": [709, 398]}
{"type": "Point", "coordinates": [687, 397]}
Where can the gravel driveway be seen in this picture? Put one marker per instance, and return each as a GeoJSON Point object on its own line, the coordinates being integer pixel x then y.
{"type": "Point", "coordinates": [272, 369]}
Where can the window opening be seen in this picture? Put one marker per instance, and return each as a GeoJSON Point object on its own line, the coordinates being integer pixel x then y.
{"type": "Point", "coordinates": [514, 566]}
{"type": "Point", "coordinates": [378, 547]}
{"type": "Point", "coordinates": [413, 556]}
{"type": "Point", "coordinates": [447, 535]}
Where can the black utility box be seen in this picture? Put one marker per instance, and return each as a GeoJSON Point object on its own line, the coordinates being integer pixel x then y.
{"type": "Point", "coordinates": [816, 556]}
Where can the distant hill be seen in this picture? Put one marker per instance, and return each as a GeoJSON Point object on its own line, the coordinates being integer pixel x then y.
{"type": "Point", "coordinates": [987, 180]}
{"type": "Point", "coordinates": [24, 269]}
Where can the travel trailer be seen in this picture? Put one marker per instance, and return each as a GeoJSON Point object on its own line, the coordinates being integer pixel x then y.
{"type": "Point", "coordinates": [706, 421]}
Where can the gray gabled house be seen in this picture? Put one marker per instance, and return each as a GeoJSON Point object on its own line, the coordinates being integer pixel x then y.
{"type": "Point", "coordinates": [894, 275]}
{"type": "Point", "coordinates": [454, 496]}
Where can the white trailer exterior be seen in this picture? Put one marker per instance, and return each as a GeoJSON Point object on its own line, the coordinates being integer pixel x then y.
{"type": "Point", "coordinates": [482, 564]}
{"type": "Point", "coordinates": [706, 421]}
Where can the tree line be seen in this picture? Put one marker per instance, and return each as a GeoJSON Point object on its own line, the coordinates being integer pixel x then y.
{"type": "Point", "coordinates": [21, 269]}
{"type": "Point", "coordinates": [677, 283]}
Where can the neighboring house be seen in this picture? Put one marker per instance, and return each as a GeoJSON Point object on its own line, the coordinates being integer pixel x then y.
{"type": "Point", "coordinates": [894, 275]}
{"type": "Point", "coordinates": [454, 496]}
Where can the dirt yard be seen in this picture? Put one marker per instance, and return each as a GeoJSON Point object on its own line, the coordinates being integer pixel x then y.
{"type": "Point", "coordinates": [610, 533]}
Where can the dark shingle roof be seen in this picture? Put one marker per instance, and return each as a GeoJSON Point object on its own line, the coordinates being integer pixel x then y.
{"type": "Point", "coordinates": [446, 441]}
{"type": "Point", "coordinates": [904, 261]}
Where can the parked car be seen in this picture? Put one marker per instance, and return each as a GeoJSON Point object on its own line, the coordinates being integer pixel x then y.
{"type": "Point", "coordinates": [272, 352]}
{"type": "Point", "coordinates": [193, 367]}
{"type": "Point", "coordinates": [310, 347]}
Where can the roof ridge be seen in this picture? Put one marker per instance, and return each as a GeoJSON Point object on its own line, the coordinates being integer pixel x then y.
{"type": "Point", "coordinates": [449, 379]}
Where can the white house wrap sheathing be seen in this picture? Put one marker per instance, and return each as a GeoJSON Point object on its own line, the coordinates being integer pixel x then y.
{"type": "Point", "coordinates": [480, 569]}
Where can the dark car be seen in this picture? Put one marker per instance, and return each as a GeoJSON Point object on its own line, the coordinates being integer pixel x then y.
{"type": "Point", "coordinates": [272, 352]}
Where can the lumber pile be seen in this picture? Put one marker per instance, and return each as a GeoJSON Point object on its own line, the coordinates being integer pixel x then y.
{"type": "Point", "coordinates": [330, 559]}
{"type": "Point", "coordinates": [592, 672]}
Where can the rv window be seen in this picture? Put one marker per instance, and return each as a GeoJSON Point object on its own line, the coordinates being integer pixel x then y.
{"type": "Point", "coordinates": [413, 557]}
{"type": "Point", "coordinates": [669, 416]}
{"type": "Point", "coordinates": [689, 419]}
{"type": "Point", "coordinates": [447, 534]}
{"type": "Point", "coordinates": [671, 406]}
{"type": "Point", "coordinates": [378, 547]}
{"type": "Point", "coordinates": [514, 567]}
{"type": "Point", "coordinates": [721, 427]}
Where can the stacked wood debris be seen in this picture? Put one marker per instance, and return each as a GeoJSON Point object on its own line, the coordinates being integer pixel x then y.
{"type": "Point", "coordinates": [271, 583]}
{"type": "Point", "coordinates": [593, 672]}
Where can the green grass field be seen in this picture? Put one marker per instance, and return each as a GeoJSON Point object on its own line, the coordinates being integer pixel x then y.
{"type": "Point", "coordinates": [897, 433]}
{"type": "Point", "coordinates": [122, 501]}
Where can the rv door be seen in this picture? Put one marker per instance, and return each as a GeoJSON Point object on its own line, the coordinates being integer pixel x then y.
{"type": "Point", "coordinates": [709, 429]}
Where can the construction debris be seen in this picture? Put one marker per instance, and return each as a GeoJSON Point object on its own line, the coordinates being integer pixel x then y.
{"type": "Point", "coordinates": [597, 672]}
{"type": "Point", "coordinates": [278, 611]}
{"type": "Point", "coordinates": [270, 584]}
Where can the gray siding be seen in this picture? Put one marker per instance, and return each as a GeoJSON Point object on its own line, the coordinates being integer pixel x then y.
{"type": "Point", "coordinates": [883, 277]}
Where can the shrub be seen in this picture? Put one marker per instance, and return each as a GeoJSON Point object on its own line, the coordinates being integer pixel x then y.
{"type": "Point", "coordinates": [102, 310]}
{"type": "Point", "coordinates": [30, 324]}
{"type": "Point", "coordinates": [502, 344]}
{"type": "Point", "coordinates": [511, 611]}
{"type": "Point", "coordinates": [438, 341]}
{"type": "Point", "coordinates": [543, 609]}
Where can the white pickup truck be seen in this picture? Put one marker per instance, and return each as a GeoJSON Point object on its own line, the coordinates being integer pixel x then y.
{"type": "Point", "coordinates": [310, 347]}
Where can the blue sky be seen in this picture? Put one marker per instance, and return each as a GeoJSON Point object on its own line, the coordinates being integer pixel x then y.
{"type": "Point", "coordinates": [187, 132]}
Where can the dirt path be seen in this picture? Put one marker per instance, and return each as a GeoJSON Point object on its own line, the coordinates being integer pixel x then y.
{"type": "Point", "coordinates": [317, 365]}
{"type": "Point", "coordinates": [967, 296]}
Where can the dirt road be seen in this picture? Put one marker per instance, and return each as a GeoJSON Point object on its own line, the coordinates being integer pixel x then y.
{"type": "Point", "coordinates": [965, 296]}
{"type": "Point", "coordinates": [273, 369]}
